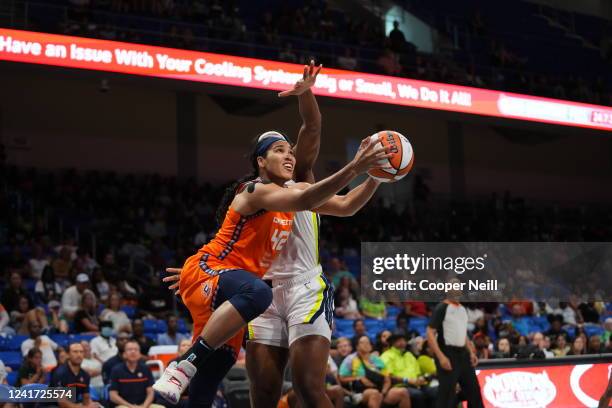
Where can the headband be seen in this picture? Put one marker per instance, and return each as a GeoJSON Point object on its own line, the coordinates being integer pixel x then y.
{"type": "Point", "coordinates": [265, 141]}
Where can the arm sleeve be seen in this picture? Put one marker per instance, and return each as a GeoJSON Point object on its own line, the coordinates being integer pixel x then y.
{"type": "Point", "coordinates": [437, 316]}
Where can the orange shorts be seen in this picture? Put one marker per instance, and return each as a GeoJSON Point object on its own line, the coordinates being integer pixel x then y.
{"type": "Point", "coordinates": [198, 291]}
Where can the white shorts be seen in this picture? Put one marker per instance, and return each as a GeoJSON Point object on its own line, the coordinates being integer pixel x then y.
{"type": "Point", "coordinates": [303, 306]}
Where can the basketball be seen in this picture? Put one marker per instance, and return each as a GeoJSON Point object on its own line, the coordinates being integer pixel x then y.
{"type": "Point", "coordinates": [399, 164]}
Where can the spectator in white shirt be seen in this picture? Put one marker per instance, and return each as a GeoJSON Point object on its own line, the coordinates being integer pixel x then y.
{"type": "Point", "coordinates": [41, 342]}
{"type": "Point", "coordinates": [113, 313]}
{"type": "Point", "coordinates": [71, 299]}
{"type": "Point", "coordinates": [104, 346]}
{"type": "Point", "coordinates": [4, 321]}
{"type": "Point", "coordinates": [38, 262]}
{"type": "Point", "coordinates": [93, 367]}
{"type": "Point", "coordinates": [47, 288]}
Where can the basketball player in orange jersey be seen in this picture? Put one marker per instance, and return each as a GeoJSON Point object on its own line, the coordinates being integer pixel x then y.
{"type": "Point", "coordinates": [220, 284]}
{"type": "Point", "coordinates": [297, 325]}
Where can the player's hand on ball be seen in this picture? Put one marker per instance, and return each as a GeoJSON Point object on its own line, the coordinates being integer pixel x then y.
{"type": "Point", "coordinates": [445, 363]}
{"type": "Point", "coordinates": [307, 81]}
{"type": "Point", "coordinates": [175, 277]}
{"type": "Point", "coordinates": [368, 156]}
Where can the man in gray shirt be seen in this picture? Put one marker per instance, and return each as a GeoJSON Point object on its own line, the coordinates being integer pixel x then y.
{"type": "Point", "coordinates": [455, 355]}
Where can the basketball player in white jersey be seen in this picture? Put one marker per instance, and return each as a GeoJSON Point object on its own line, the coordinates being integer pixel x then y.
{"type": "Point", "coordinates": [297, 325]}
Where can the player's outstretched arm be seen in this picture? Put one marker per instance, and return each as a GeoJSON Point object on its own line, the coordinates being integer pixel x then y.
{"type": "Point", "coordinates": [309, 137]}
{"type": "Point", "coordinates": [347, 205]}
{"type": "Point", "coordinates": [272, 197]}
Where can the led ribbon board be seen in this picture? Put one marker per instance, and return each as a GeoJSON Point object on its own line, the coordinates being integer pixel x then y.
{"type": "Point", "coordinates": [112, 56]}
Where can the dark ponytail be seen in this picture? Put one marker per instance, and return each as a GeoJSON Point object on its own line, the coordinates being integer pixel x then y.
{"type": "Point", "coordinates": [230, 191]}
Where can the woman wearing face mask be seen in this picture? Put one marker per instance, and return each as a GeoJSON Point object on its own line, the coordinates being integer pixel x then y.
{"type": "Point", "coordinates": [104, 346]}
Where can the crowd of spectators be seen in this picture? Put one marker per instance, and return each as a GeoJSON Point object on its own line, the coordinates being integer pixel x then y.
{"type": "Point", "coordinates": [337, 38]}
{"type": "Point", "coordinates": [83, 254]}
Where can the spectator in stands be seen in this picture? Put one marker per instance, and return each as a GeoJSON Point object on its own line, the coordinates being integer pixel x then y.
{"type": "Point", "coordinates": [578, 347]}
{"type": "Point", "coordinates": [481, 344]}
{"type": "Point", "coordinates": [25, 314]}
{"type": "Point", "coordinates": [375, 387]}
{"type": "Point", "coordinates": [71, 299]}
{"type": "Point", "coordinates": [63, 265]}
{"type": "Point", "coordinates": [546, 347]}
{"type": "Point", "coordinates": [84, 262]}
{"type": "Point", "coordinates": [5, 329]}
{"type": "Point", "coordinates": [12, 294]}
{"type": "Point", "coordinates": [38, 262]}
{"type": "Point", "coordinates": [402, 326]}
{"type": "Point", "coordinates": [104, 346]}
{"type": "Point", "coordinates": [348, 60]}
{"type": "Point", "coordinates": [4, 378]}
{"type": "Point", "coordinates": [346, 305]}
{"type": "Point", "coordinates": [343, 349]}
{"type": "Point", "coordinates": [606, 337]}
{"type": "Point", "coordinates": [360, 330]}
{"type": "Point", "coordinates": [538, 342]}
{"type": "Point", "coordinates": [86, 318]}
{"type": "Point", "coordinates": [31, 370]}
{"type": "Point", "coordinates": [40, 342]}
{"type": "Point", "coordinates": [382, 342]}
{"type": "Point", "coordinates": [172, 337]}
{"type": "Point", "coordinates": [589, 312]}
{"type": "Point", "coordinates": [566, 310]}
{"type": "Point", "coordinates": [144, 341]}
{"type": "Point", "coordinates": [71, 374]}
{"type": "Point", "coordinates": [100, 285]}
{"type": "Point", "coordinates": [116, 315]}
{"type": "Point", "coordinates": [397, 40]}
{"type": "Point", "coordinates": [92, 367]}
{"type": "Point", "coordinates": [503, 348]}
{"type": "Point", "coordinates": [595, 346]}
{"type": "Point", "coordinates": [556, 328]}
{"type": "Point", "coordinates": [415, 345]}
{"type": "Point", "coordinates": [57, 322]}
{"type": "Point", "coordinates": [107, 367]}
{"type": "Point", "coordinates": [474, 315]}
{"type": "Point", "coordinates": [131, 381]}
{"type": "Point", "coordinates": [373, 310]}
{"type": "Point", "coordinates": [405, 369]}
{"type": "Point", "coordinates": [155, 300]}
{"type": "Point", "coordinates": [336, 270]}
{"type": "Point", "coordinates": [46, 288]}
{"type": "Point", "coordinates": [62, 356]}
{"type": "Point", "coordinates": [426, 361]}
{"type": "Point", "coordinates": [414, 309]}
{"type": "Point", "coordinates": [561, 347]}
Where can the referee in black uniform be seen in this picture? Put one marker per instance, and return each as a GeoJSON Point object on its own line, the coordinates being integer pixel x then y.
{"type": "Point", "coordinates": [455, 356]}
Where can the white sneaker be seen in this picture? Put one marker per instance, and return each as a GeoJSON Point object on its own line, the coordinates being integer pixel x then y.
{"type": "Point", "coordinates": [174, 380]}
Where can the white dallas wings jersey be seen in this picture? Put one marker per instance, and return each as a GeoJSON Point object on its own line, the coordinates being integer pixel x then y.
{"type": "Point", "coordinates": [301, 252]}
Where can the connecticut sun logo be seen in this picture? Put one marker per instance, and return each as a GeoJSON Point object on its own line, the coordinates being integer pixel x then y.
{"type": "Point", "coordinates": [519, 389]}
{"type": "Point", "coordinates": [206, 290]}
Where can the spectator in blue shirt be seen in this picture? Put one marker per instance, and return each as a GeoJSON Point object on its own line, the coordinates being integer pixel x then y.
{"type": "Point", "coordinates": [172, 337]}
{"type": "Point", "coordinates": [72, 375]}
{"type": "Point", "coordinates": [131, 382]}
